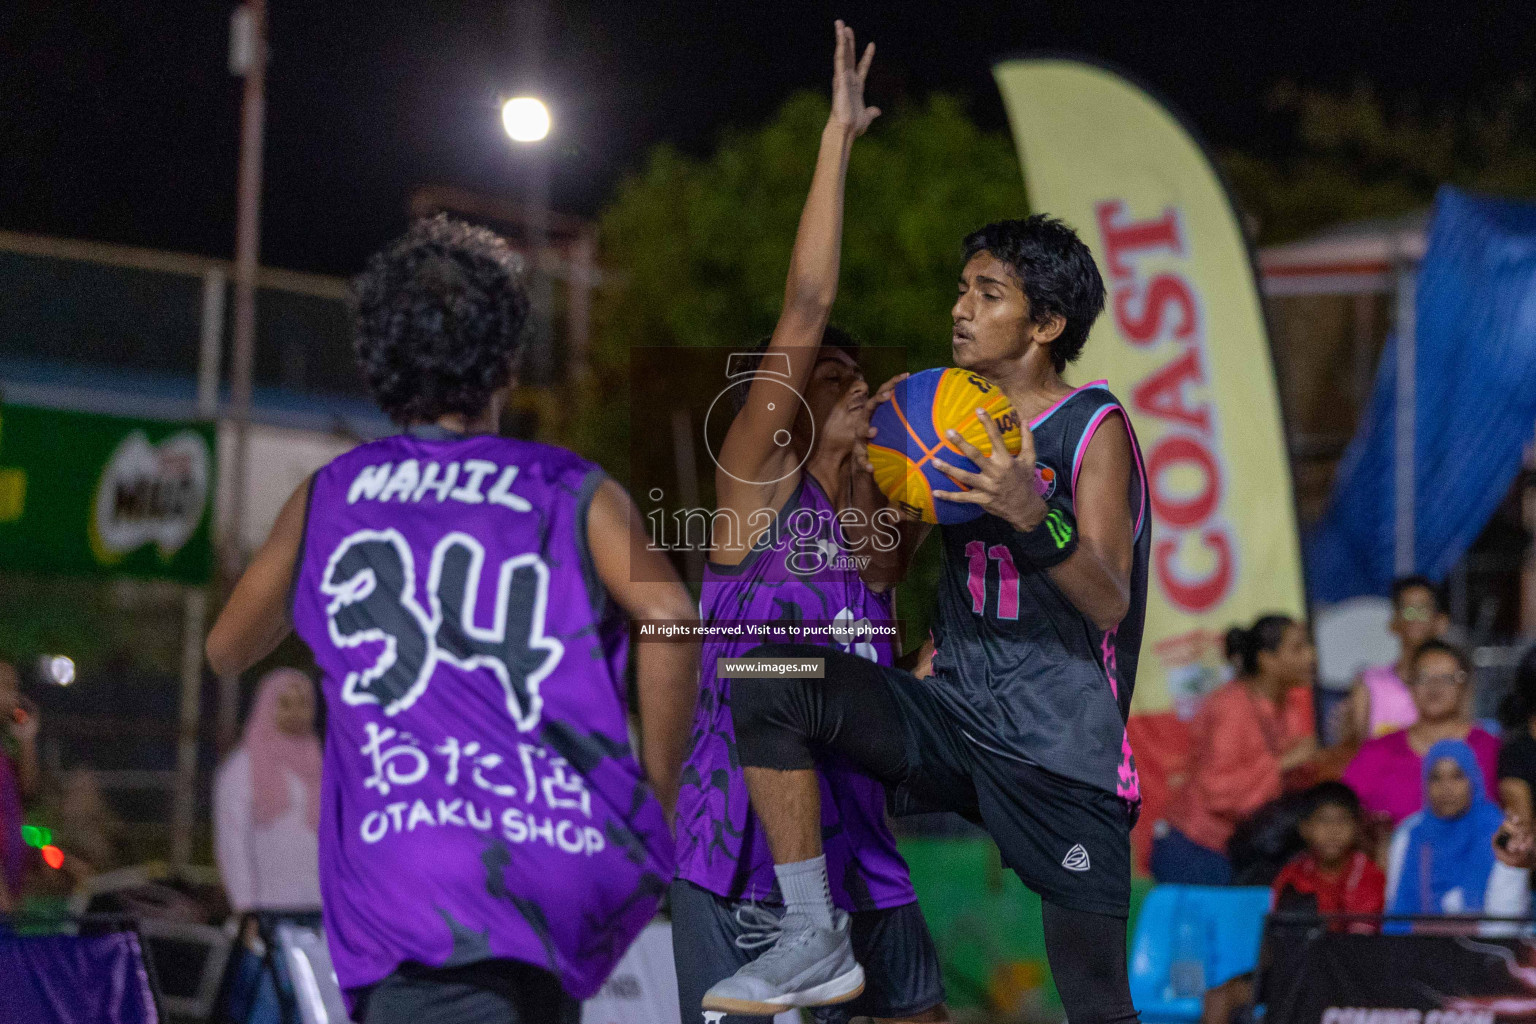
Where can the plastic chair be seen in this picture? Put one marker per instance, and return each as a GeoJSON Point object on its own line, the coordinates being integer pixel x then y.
{"type": "Point", "coordinates": [1230, 923]}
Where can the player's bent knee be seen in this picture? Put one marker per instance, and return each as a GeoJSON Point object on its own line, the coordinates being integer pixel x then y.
{"type": "Point", "coordinates": [770, 725]}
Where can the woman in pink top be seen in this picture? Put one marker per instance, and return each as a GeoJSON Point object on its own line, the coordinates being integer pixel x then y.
{"type": "Point", "coordinates": [1388, 772]}
{"type": "Point", "coordinates": [1380, 702]}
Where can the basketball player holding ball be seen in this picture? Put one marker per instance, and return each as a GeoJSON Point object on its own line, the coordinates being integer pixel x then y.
{"type": "Point", "coordinates": [789, 464]}
{"type": "Point", "coordinates": [1041, 604]}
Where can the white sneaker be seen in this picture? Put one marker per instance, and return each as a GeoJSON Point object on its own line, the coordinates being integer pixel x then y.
{"type": "Point", "coordinates": [807, 966]}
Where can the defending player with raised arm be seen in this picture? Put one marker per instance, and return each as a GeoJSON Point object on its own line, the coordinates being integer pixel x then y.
{"type": "Point", "coordinates": [759, 463]}
{"type": "Point", "coordinates": [789, 469]}
{"type": "Point", "coordinates": [489, 842]}
{"type": "Point", "coordinates": [1021, 725]}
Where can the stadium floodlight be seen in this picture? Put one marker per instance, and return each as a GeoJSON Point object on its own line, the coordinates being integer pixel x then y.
{"type": "Point", "coordinates": [525, 118]}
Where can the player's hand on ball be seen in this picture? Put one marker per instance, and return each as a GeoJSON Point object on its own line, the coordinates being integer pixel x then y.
{"type": "Point", "coordinates": [886, 390]}
{"type": "Point", "coordinates": [1005, 487]}
{"type": "Point", "coordinates": [861, 451]}
{"type": "Point", "coordinates": [848, 74]}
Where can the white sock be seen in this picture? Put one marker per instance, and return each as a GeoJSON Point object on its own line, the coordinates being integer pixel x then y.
{"type": "Point", "coordinates": [805, 889]}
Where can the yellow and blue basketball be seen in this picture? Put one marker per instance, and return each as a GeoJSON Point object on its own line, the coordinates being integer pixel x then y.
{"type": "Point", "coordinates": [913, 431]}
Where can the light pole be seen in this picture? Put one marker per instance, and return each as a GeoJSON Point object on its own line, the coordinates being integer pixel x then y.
{"type": "Point", "coordinates": [527, 122]}
{"type": "Point", "coordinates": [247, 57]}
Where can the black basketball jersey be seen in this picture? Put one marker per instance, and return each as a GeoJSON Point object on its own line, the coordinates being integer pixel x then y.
{"type": "Point", "coordinates": [1030, 676]}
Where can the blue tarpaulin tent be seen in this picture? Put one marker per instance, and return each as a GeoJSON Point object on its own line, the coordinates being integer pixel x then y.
{"type": "Point", "coordinates": [1474, 405]}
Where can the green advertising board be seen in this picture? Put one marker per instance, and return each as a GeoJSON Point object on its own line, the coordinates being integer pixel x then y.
{"type": "Point", "coordinates": [87, 494]}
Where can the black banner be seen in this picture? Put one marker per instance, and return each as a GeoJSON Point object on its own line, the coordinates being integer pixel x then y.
{"type": "Point", "coordinates": [1317, 976]}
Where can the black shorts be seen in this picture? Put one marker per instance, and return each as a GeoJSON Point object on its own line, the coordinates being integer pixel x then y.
{"type": "Point", "coordinates": [484, 992]}
{"type": "Point", "coordinates": [1066, 840]}
{"type": "Point", "coordinates": [713, 937]}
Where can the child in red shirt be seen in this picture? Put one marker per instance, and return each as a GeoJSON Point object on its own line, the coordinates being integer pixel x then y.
{"type": "Point", "coordinates": [1332, 876]}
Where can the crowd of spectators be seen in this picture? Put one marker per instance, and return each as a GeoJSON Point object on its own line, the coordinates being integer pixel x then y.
{"type": "Point", "coordinates": [1397, 817]}
{"type": "Point", "coordinates": [1425, 780]}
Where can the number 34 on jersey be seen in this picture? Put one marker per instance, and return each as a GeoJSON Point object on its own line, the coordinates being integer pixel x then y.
{"type": "Point", "coordinates": [370, 580]}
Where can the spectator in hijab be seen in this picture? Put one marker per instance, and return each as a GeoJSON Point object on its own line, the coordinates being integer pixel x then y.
{"type": "Point", "coordinates": [18, 776]}
{"type": "Point", "coordinates": [1442, 858]}
{"type": "Point", "coordinates": [1382, 701]}
{"type": "Point", "coordinates": [1244, 743]}
{"type": "Point", "coordinates": [1388, 771]}
{"type": "Point", "coordinates": [267, 801]}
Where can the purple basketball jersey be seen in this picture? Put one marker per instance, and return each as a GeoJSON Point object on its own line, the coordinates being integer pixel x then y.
{"type": "Point", "coordinates": [480, 797]}
{"type": "Point", "coordinates": [798, 573]}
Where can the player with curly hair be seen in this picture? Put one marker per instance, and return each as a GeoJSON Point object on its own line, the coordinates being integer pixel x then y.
{"type": "Point", "coordinates": [490, 844]}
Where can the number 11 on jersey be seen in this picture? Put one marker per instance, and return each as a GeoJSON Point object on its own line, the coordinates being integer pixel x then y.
{"type": "Point", "coordinates": [978, 555]}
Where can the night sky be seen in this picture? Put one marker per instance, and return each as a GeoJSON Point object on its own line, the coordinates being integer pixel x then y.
{"type": "Point", "coordinates": [119, 119]}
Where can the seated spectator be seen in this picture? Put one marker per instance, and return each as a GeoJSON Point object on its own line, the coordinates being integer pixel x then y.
{"type": "Point", "coordinates": [1387, 772]}
{"type": "Point", "coordinates": [1331, 876]}
{"type": "Point", "coordinates": [18, 775]}
{"type": "Point", "coordinates": [1380, 702]}
{"type": "Point", "coordinates": [1243, 744]}
{"type": "Point", "coordinates": [1442, 858]}
{"type": "Point", "coordinates": [267, 801]}
{"type": "Point", "coordinates": [1517, 755]}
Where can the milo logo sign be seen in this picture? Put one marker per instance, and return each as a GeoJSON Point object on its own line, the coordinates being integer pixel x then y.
{"type": "Point", "coordinates": [150, 493]}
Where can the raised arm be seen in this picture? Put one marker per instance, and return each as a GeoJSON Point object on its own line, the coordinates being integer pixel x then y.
{"type": "Point", "coordinates": [255, 619]}
{"type": "Point", "coordinates": [749, 451]}
{"type": "Point", "coordinates": [645, 585]}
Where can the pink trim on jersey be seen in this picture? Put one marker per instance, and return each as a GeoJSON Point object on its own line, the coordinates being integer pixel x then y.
{"type": "Point", "coordinates": [1128, 784]}
{"type": "Point", "coordinates": [1082, 447]}
{"type": "Point", "coordinates": [1082, 442]}
{"type": "Point", "coordinates": [1141, 513]}
{"type": "Point", "coordinates": [1111, 660]}
{"type": "Point", "coordinates": [1047, 414]}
